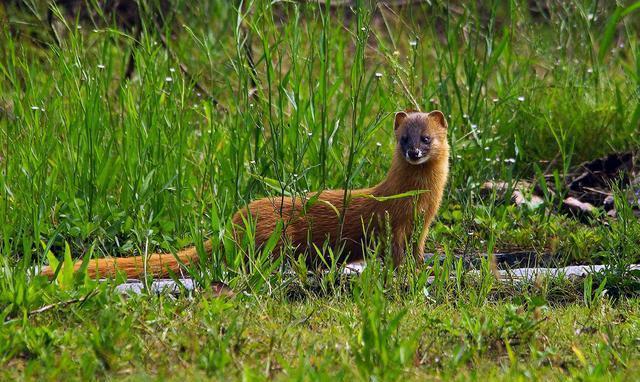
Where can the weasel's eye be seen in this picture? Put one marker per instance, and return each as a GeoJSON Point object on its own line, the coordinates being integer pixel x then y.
{"type": "Point", "coordinates": [426, 139]}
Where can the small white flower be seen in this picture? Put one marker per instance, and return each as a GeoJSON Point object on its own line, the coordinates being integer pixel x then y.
{"type": "Point", "coordinates": [310, 134]}
{"type": "Point", "coordinates": [252, 162]}
{"type": "Point", "coordinates": [458, 156]}
{"type": "Point", "coordinates": [486, 148]}
{"type": "Point", "coordinates": [589, 70]}
{"type": "Point", "coordinates": [378, 144]}
{"type": "Point", "coordinates": [168, 79]}
{"type": "Point", "coordinates": [101, 66]}
{"type": "Point", "coordinates": [495, 100]}
{"type": "Point", "coordinates": [521, 99]}
{"type": "Point", "coordinates": [474, 126]}
{"type": "Point", "coordinates": [510, 160]}
{"type": "Point", "coordinates": [172, 70]}
{"type": "Point", "coordinates": [35, 108]}
{"type": "Point", "coordinates": [465, 116]}
{"type": "Point", "coordinates": [413, 43]}
{"type": "Point", "coordinates": [487, 159]}
{"type": "Point", "coordinates": [590, 16]}
{"type": "Point", "coordinates": [621, 45]}
{"type": "Point", "coordinates": [378, 75]}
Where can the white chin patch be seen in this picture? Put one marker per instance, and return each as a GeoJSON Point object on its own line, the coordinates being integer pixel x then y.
{"type": "Point", "coordinates": [420, 160]}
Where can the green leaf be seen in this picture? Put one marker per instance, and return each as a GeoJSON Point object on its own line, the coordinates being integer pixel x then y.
{"type": "Point", "coordinates": [328, 204]}
{"type": "Point", "coordinates": [310, 203]}
{"type": "Point", "coordinates": [53, 262]}
{"type": "Point", "coordinates": [66, 275]}
{"type": "Point", "coordinates": [610, 28]}
{"type": "Point", "coordinates": [272, 183]}
{"type": "Point", "coordinates": [391, 197]}
{"type": "Point", "coordinates": [147, 181]}
{"type": "Point", "coordinates": [497, 52]}
{"type": "Point", "coordinates": [600, 289]}
{"type": "Point", "coordinates": [274, 238]}
{"type": "Point", "coordinates": [82, 272]}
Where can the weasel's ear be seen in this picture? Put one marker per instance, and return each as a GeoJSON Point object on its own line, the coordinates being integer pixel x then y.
{"type": "Point", "coordinates": [400, 116]}
{"type": "Point", "coordinates": [439, 117]}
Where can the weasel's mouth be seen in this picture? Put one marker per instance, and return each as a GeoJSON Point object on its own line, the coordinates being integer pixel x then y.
{"type": "Point", "coordinates": [415, 160]}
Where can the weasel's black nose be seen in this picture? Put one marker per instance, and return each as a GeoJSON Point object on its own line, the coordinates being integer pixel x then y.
{"type": "Point", "coordinates": [414, 154]}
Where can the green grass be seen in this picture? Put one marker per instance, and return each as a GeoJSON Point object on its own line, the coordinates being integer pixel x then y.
{"type": "Point", "coordinates": [366, 332]}
{"type": "Point", "coordinates": [109, 166]}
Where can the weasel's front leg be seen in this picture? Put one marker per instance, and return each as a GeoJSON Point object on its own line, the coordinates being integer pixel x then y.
{"type": "Point", "coordinates": [398, 250]}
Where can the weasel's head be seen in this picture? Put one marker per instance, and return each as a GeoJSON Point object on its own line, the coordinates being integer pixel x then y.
{"type": "Point", "coordinates": [421, 137]}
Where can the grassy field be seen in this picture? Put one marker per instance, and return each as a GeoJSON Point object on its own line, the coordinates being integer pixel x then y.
{"type": "Point", "coordinates": [121, 137]}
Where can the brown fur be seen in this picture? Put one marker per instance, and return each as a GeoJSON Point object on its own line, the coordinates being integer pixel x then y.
{"type": "Point", "coordinates": [157, 264]}
{"type": "Point", "coordinates": [320, 223]}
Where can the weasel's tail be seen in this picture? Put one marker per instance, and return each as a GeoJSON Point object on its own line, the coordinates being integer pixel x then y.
{"type": "Point", "coordinates": [157, 264]}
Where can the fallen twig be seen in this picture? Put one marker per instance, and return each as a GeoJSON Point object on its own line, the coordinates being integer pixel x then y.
{"type": "Point", "coordinates": [48, 307]}
{"type": "Point", "coordinates": [62, 303]}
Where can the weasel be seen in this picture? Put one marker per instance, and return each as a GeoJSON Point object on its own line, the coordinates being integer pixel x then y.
{"type": "Point", "coordinates": [420, 163]}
